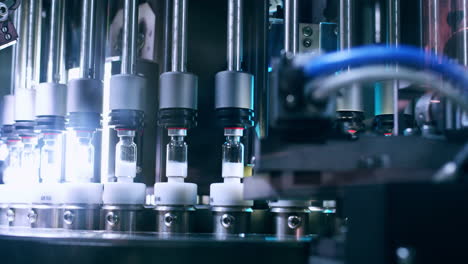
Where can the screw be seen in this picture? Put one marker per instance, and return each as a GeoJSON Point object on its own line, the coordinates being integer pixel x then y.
{"type": "Point", "coordinates": [11, 215]}
{"type": "Point", "coordinates": [169, 219]}
{"type": "Point", "coordinates": [4, 29]}
{"type": "Point", "coordinates": [68, 217]}
{"type": "Point", "coordinates": [227, 220]}
{"type": "Point", "coordinates": [294, 221]}
{"type": "Point", "coordinates": [7, 36]}
{"type": "Point", "coordinates": [112, 218]}
{"type": "Point", "coordinates": [307, 31]}
{"type": "Point", "coordinates": [307, 43]}
{"type": "Point", "coordinates": [32, 216]}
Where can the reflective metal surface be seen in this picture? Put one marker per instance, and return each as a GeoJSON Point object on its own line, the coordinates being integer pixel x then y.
{"type": "Point", "coordinates": [80, 217]}
{"type": "Point", "coordinates": [18, 215]}
{"type": "Point", "coordinates": [121, 218]}
{"type": "Point", "coordinates": [174, 219]}
{"type": "Point", "coordinates": [45, 216]}
{"type": "Point", "coordinates": [231, 220]}
{"type": "Point", "coordinates": [290, 221]}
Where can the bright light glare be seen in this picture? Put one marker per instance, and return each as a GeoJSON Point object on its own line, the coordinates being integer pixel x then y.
{"type": "Point", "coordinates": [23, 162]}
{"type": "Point", "coordinates": [51, 158]}
{"type": "Point", "coordinates": [79, 156]}
{"type": "Point", "coordinates": [3, 150]}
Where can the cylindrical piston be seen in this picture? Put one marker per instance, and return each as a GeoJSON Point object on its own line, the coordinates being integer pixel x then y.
{"type": "Point", "coordinates": [81, 216]}
{"type": "Point", "coordinates": [45, 216]}
{"type": "Point", "coordinates": [51, 99]}
{"type": "Point", "coordinates": [174, 219]}
{"type": "Point", "coordinates": [127, 92]}
{"type": "Point", "coordinates": [290, 220]}
{"type": "Point", "coordinates": [231, 220]}
{"type": "Point", "coordinates": [122, 218]}
{"type": "Point", "coordinates": [84, 95]}
{"type": "Point", "coordinates": [234, 90]}
{"type": "Point", "coordinates": [178, 90]}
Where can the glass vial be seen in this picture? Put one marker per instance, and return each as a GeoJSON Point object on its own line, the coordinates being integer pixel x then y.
{"type": "Point", "coordinates": [233, 154]}
{"type": "Point", "coordinates": [125, 156]}
{"type": "Point", "coordinates": [51, 166]}
{"type": "Point", "coordinates": [176, 154]}
{"type": "Point", "coordinates": [80, 156]}
{"type": "Point", "coordinates": [12, 172]}
{"type": "Point", "coordinates": [30, 159]}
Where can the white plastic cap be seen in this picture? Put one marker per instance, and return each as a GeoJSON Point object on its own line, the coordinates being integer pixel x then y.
{"type": "Point", "coordinates": [228, 194]}
{"type": "Point", "coordinates": [47, 193]}
{"type": "Point", "coordinates": [124, 193]}
{"type": "Point", "coordinates": [25, 105]}
{"type": "Point", "coordinates": [290, 203]}
{"type": "Point", "coordinates": [8, 110]}
{"type": "Point", "coordinates": [82, 193]}
{"type": "Point", "coordinates": [175, 193]}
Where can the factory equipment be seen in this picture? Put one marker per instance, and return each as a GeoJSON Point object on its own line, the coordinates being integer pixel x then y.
{"type": "Point", "coordinates": [338, 128]}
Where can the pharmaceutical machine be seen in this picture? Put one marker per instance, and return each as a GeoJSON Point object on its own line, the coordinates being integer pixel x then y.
{"type": "Point", "coordinates": [233, 131]}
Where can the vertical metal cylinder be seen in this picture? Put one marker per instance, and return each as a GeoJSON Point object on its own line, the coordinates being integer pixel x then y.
{"type": "Point", "coordinates": [129, 38]}
{"type": "Point", "coordinates": [126, 218]}
{"type": "Point", "coordinates": [87, 39]}
{"type": "Point", "coordinates": [346, 25]}
{"type": "Point", "coordinates": [174, 219]}
{"type": "Point", "coordinates": [351, 98]}
{"type": "Point", "coordinates": [291, 26]}
{"type": "Point", "coordinates": [179, 36]}
{"type": "Point", "coordinates": [28, 50]}
{"type": "Point", "coordinates": [290, 221]}
{"type": "Point", "coordinates": [33, 44]}
{"type": "Point", "coordinates": [394, 40]}
{"type": "Point", "coordinates": [231, 220]}
{"type": "Point", "coordinates": [55, 44]}
{"type": "Point", "coordinates": [235, 35]}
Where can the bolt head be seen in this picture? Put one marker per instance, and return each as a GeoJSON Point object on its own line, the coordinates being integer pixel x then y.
{"type": "Point", "coordinates": [11, 215]}
{"type": "Point", "coordinates": [68, 217]}
{"type": "Point", "coordinates": [227, 220]}
{"type": "Point", "coordinates": [170, 219]}
{"type": "Point", "coordinates": [32, 216]}
{"type": "Point", "coordinates": [307, 31]}
{"type": "Point", "coordinates": [4, 29]}
{"type": "Point", "coordinates": [294, 221]}
{"type": "Point", "coordinates": [112, 218]}
{"type": "Point", "coordinates": [307, 43]}
{"type": "Point", "coordinates": [7, 36]}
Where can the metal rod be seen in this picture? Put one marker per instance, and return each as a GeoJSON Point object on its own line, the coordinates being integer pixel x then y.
{"type": "Point", "coordinates": [129, 38]}
{"type": "Point", "coordinates": [465, 33]}
{"type": "Point", "coordinates": [394, 40]}
{"type": "Point", "coordinates": [33, 46]}
{"type": "Point", "coordinates": [179, 36]}
{"type": "Point", "coordinates": [346, 25]}
{"type": "Point", "coordinates": [16, 64]}
{"type": "Point", "coordinates": [87, 39]}
{"type": "Point", "coordinates": [235, 35]}
{"type": "Point", "coordinates": [54, 60]}
{"type": "Point", "coordinates": [291, 26]}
